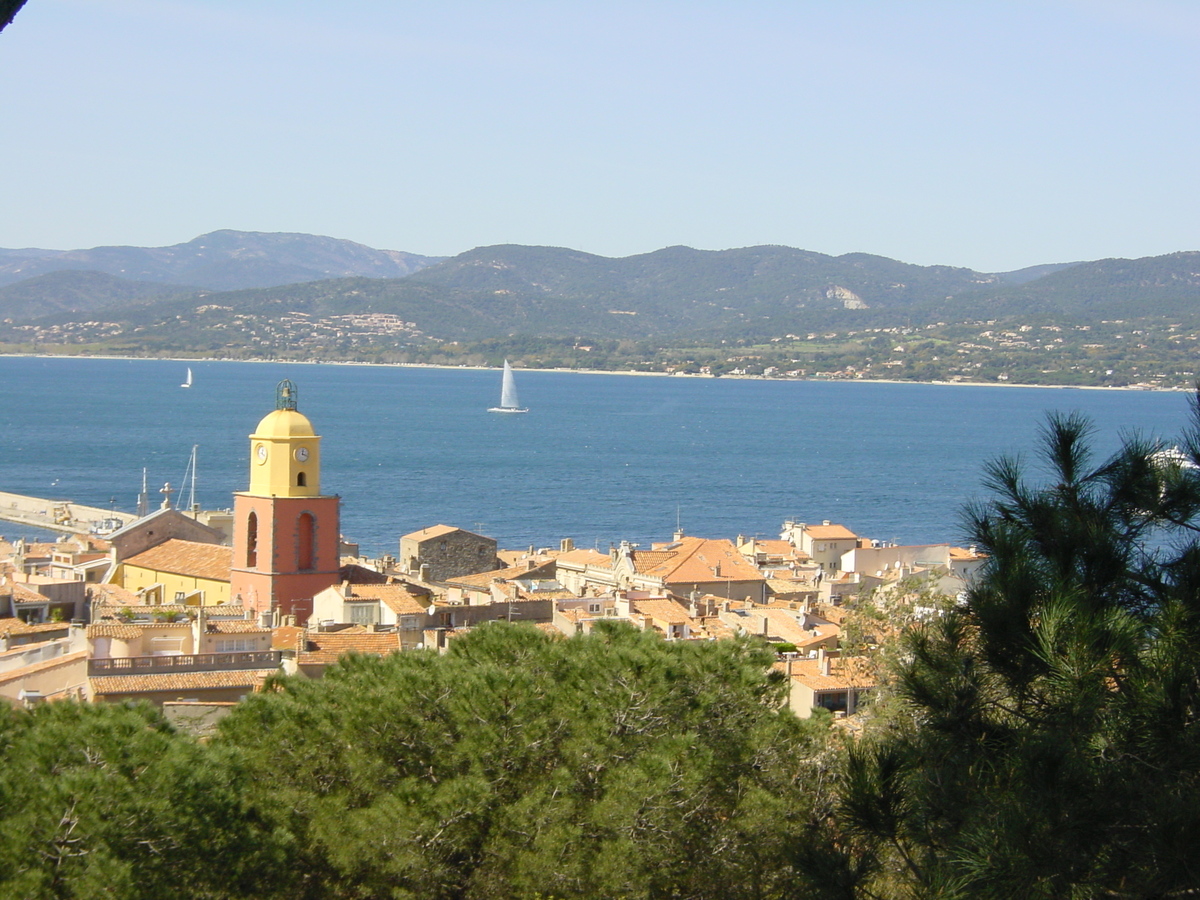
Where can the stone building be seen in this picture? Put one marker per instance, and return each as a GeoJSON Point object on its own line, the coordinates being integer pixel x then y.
{"type": "Point", "coordinates": [442, 552]}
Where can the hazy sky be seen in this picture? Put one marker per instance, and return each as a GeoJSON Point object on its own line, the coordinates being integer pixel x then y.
{"type": "Point", "coordinates": [994, 135]}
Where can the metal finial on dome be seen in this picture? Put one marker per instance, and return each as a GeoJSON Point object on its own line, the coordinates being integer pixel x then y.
{"type": "Point", "coordinates": [285, 395]}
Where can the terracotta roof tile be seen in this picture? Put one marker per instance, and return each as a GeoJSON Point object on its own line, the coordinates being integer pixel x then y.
{"type": "Point", "coordinates": [286, 637]}
{"type": "Point", "coordinates": [19, 626]}
{"type": "Point", "coordinates": [113, 630]}
{"type": "Point", "coordinates": [436, 531]}
{"type": "Point", "coordinates": [852, 672]}
{"type": "Point", "coordinates": [234, 627]}
{"type": "Point", "coordinates": [485, 579]}
{"type": "Point", "coordinates": [399, 598]}
{"type": "Point", "coordinates": [179, 681]}
{"type": "Point", "coordinates": [662, 610]}
{"type": "Point", "coordinates": [700, 559]}
{"type": "Point", "coordinates": [186, 558]}
{"type": "Point", "coordinates": [585, 557]}
{"type": "Point", "coordinates": [961, 553]}
{"type": "Point", "coordinates": [324, 648]}
{"type": "Point", "coordinates": [114, 594]}
{"type": "Point", "coordinates": [830, 532]}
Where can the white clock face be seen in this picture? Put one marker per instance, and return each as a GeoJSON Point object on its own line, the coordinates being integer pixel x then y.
{"type": "Point", "coordinates": [302, 454]}
{"type": "Point", "coordinates": [261, 453]}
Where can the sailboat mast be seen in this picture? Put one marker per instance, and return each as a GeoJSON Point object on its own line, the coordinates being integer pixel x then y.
{"type": "Point", "coordinates": [143, 504]}
{"type": "Point", "coordinates": [192, 497]}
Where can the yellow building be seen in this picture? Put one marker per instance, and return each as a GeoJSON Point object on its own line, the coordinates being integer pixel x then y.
{"type": "Point", "coordinates": [177, 571]}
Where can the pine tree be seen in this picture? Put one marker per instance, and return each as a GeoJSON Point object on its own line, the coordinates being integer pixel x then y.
{"type": "Point", "coordinates": [1045, 739]}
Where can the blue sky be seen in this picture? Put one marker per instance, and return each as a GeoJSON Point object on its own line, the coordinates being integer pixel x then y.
{"type": "Point", "coordinates": [994, 135]}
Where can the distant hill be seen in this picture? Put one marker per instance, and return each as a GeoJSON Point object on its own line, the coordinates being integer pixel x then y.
{"type": "Point", "coordinates": [222, 260]}
{"type": "Point", "coordinates": [508, 294]}
{"type": "Point", "coordinates": [685, 284]}
{"type": "Point", "coordinates": [77, 292]}
{"type": "Point", "coordinates": [1031, 273]}
{"type": "Point", "coordinates": [1105, 288]}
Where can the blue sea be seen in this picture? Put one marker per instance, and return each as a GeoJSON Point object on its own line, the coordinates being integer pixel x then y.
{"type": "Point", "coordinates": [598, 458]}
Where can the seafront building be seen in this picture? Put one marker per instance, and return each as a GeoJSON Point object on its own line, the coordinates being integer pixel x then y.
{"type": "Point", "coordinates": [192, 618]}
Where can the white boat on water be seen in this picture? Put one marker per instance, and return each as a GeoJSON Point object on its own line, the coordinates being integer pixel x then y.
{"type": "Point", "coordinates": [508, 394]}
{"type": "Point", "coordinates": [187, 382]}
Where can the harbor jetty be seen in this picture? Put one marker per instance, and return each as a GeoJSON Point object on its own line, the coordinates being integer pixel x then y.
{"type": "Point", "coordinates": [60, 515]}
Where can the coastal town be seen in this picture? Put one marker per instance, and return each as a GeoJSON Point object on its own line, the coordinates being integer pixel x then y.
{"type": "Point", "coordinates": [194, 610]}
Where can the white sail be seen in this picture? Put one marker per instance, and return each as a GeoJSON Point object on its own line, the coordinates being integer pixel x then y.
{"type": "Point", "coordinates": [508, 393]}
{"type": "Point", "coordinates": [188, 381]}
{"type": "Point", "coordinates": [508, 389]}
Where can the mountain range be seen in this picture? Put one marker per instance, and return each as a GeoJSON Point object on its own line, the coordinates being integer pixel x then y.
{"type": "Point", "coordinates": [221, 261]}
{"type": "Point", "coordinates": [504, 291]}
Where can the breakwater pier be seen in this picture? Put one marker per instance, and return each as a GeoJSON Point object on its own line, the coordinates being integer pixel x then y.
{"type": "Point", "coordinates": [60, 515]}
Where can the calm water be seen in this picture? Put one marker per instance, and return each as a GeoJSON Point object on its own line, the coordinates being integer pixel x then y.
{"type": "Point", "coordinates": [599, 458]}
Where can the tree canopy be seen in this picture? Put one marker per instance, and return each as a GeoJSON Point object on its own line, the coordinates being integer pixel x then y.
{"type": "Point", "coordinates": [1043, 740]}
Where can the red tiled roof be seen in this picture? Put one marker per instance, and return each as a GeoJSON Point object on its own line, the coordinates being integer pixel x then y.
{"type": "Point", "coordinates": [234, 627]}
{"type": "Point", "coordinates": [436, 531]}
{"type": "Point", "coordinates": [485, 579]}
{"type": "Point", "coordinates": [286, 637]}
{"type": "Point", "coordinates": [662, 610]}
{"type": "Point", "coordinates": [113, 630]}
{"type": "Point", "coordinates": [852, 672]}
{"type": "Point", "coordinates": [585, 557]}
{"type": "Point", "coordinates": [694, 560]}
{"type": "Point", "coordinates": [19, 626]}
{"type": "Point", "coordinates": [181, 557]}
{"type": "Point", "coordinates": [399, 598]}
{"type": "Point", "coordinates": [830, 532]}
{"type": "Point", "coordinates": [324, 648]}
{"type": "Point", "coordinates": [179, 681]}
{"type": "Point", "coordinates": [114, 595]}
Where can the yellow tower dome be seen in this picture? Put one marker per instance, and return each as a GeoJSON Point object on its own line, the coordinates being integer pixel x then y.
{"type": "Point", "coordinates": [285, 452]}
{"type": "Point", "coordinates": [285, 423]}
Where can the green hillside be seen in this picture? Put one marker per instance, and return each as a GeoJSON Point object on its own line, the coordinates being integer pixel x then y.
{"type": "Point", "coordinates": [757, 310]}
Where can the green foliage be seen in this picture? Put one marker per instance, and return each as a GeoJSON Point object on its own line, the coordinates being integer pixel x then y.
{"type": "Point", "coordinates": [614, 765]}
{"type": "Point", "coordinates": [1051, 746]}
{"type": "Point", "coordinates": [103, 801]}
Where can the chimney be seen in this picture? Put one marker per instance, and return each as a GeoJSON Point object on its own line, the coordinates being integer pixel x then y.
{"type": "Point", "coordinates": [347, 590]}
{"type": "Point", "coordinates": [566, 545]}
{"type": "Point", "coordinates": [424, 573]}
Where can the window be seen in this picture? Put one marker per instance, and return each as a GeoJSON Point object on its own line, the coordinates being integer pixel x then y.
{"type": "Point", "coordinates": [238, 645]}
{"type": "Point", "coordinates": [301, 480]}
{"type": "Point", "coordinates": [252, 540]}
{"type": "Point", "coordinates": [306, 527]}
{"type": "Point", "coordinates": [363, 613]}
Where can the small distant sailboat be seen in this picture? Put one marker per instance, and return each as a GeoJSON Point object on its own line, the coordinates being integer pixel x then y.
{"type": "Point", "coordinates": [508, 394]}
{"type": "Point", "coordinates": [187, 382]}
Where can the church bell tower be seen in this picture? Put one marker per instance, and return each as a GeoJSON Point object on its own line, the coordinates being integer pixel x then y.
{"type": "Point", "coordinates": [285, 531]}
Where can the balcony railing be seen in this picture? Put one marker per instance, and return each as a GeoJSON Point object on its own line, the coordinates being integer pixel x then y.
{"type": "Point", "coordinates": [192, 662]}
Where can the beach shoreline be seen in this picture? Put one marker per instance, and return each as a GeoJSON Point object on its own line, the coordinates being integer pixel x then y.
{"type": "Point", "coordinates": [321, 362]}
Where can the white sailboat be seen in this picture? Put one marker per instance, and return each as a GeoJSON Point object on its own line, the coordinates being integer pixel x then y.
{"type": "Point", "coordinates": [187, 382]}
{"type": "Point", "coordinates": [508, 394]}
